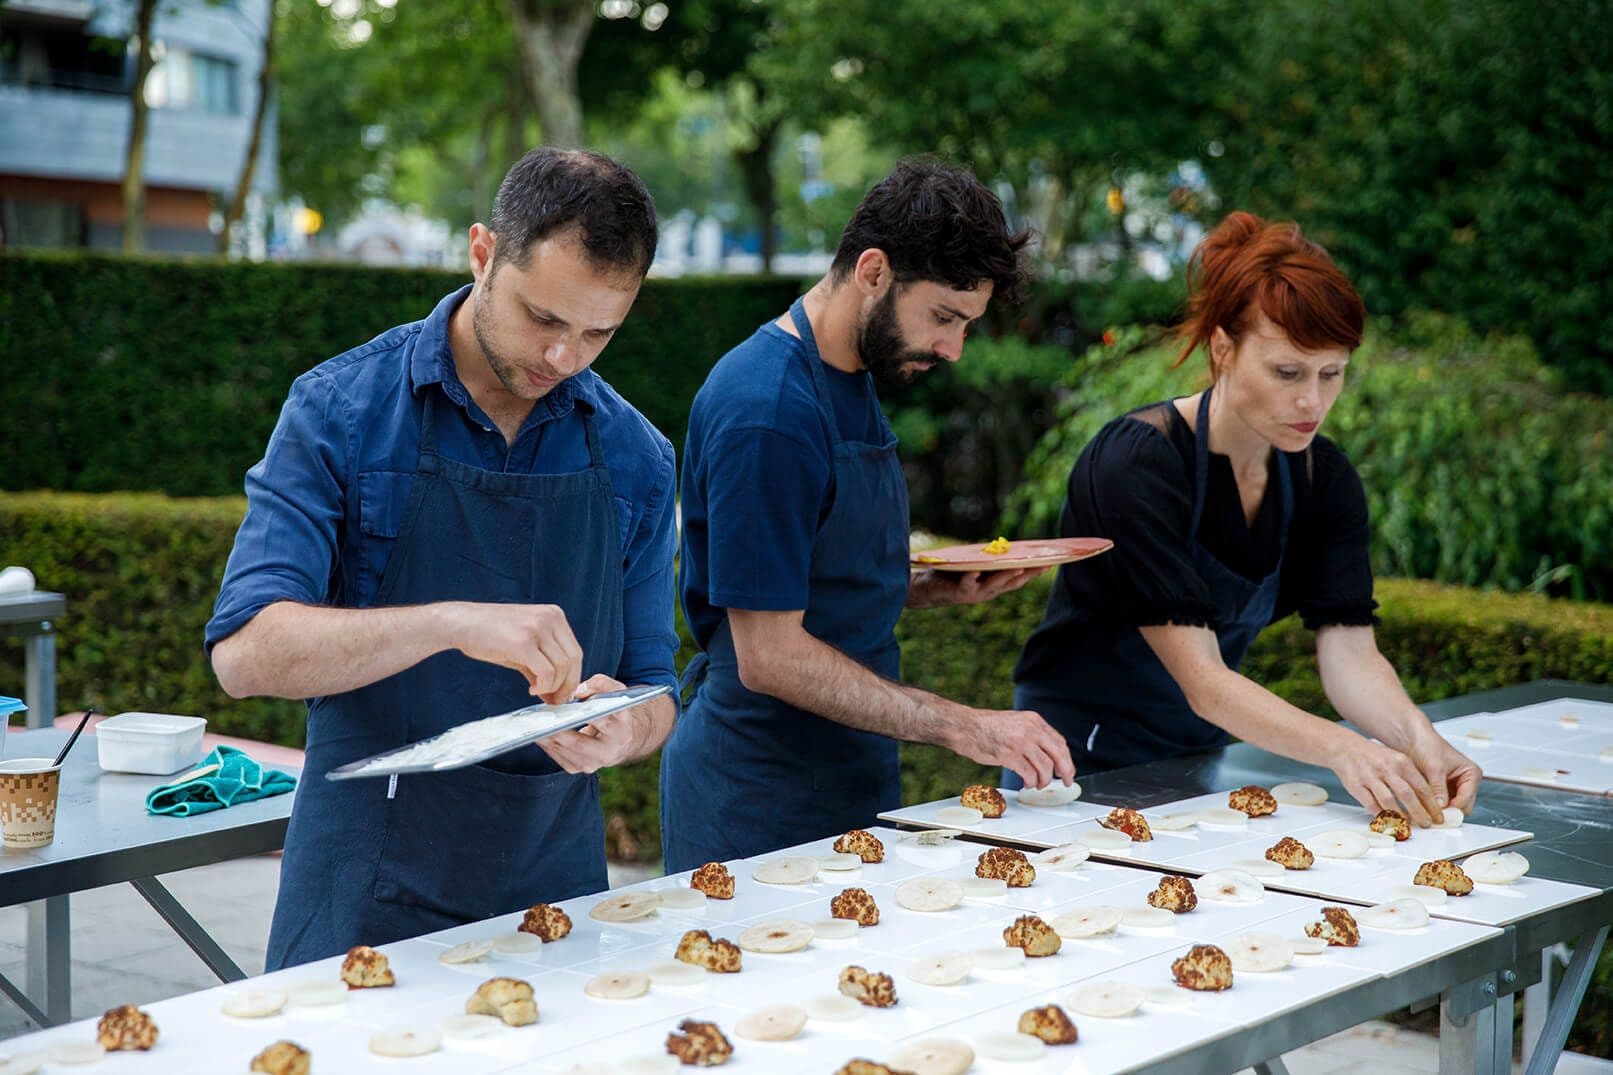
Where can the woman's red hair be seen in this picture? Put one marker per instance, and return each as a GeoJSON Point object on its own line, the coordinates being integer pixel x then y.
{"type": "Point", "coordinates": [1247, 264]}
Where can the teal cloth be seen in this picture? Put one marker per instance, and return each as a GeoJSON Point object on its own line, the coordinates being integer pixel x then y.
{"type": "Point", "coordinates": [239, 779]}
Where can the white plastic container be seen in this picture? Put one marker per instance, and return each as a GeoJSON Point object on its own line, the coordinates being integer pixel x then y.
{"type": "Point", "coordinates": [155, 743]}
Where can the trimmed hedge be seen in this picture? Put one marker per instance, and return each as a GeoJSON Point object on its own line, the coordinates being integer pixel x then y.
{"type": "Point", "coordinates": [167, 376]}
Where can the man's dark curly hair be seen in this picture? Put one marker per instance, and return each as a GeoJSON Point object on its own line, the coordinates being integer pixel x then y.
{"type": "Point", "coordinates": [939, 223]}
{"type": "Point", "coordinates": [552, 190]}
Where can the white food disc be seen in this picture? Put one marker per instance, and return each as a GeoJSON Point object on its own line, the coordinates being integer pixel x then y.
{"type": "Point", "coordinates": [1429, 895]}
{"type": "Point", "coordinates": [948, 969]}
{"type": "Point", "coordinates": [468, 952]}
{"type": "Point", "coordinates": [1100, 839]}
{"type": "Point", "coordinates": [1378, 840]}
{"type": "Point", "coordinates": [776, 1022]}
{"type": "Point", "coordinates": [681, 899]}
{"type": "Point", "coordinates": [1147, 918]}
{"type": "Point", "coordinates": [626, 907]}
{"type": "Point", "coordinates": [405, 1042]}
{"type": "Point", "coordinates": [1606, 753]}
{"type": "Point", "coordinates": [983, 888]}
{"type": "Point", "coordinates": [998, 958]}
{"type": "Point", "coordinates": [1536, 772]}
{"type": "Point", "coordinates": [596, 1068]}
{"type": "Point", "coordinates": [934, 1056]}
{"type": "Point", "coordinates": [1176, 822]}
{"type": "Point", "coordinates": [1396, 914]}
{"type": "Point", "coordinates": [1299, 793]}
{"type": "Point", "coordinates": [790, 870]}
{"type": "Point", "coordinates": [247, 1004]}
{"type": "Point", "coordinates": [929, 894]}
{"type": "Point", "coordinates": [1307, 946]}
{"type": "Point", "coordinates": [1480, 736]}
{"type": "Point", "coordinates": [1257, 867]}
{"type": "Point", "coordinates": [1230, 886]}
{"type": "Point", "coordinates": [1222, 817]}
{"type": "Point", "coordinates": [1339, 844]}
{"type": "Point", "coordinates": [1051, 796]}
{"type": "Point", "coordinates": [1453, 818]}
{"type": "Point", "coordinates": [1166, 996]}
{"type": "Point", "coordinates": [76, 1053]}
{"type": "Point", "coordinates": [834, 929]}
{"type": "Point", "coordinates": [618, 985]}
{"type": "Point", "coordinates": [23, 1063]}
{"type": "Point", "coordinates": [1569, 720]}
{"type": "Point", "coordinates": [932, 837]}
{"type": "Point", "coordinates": [650, 1064]}
{"type": "Point", "coordinates": [672, 973]}
{"type": "Point", "coordinates": [517, 944]}
{"type": "Point", "coordinates": [315, 993]}
{"type": "Point", "coordinates": [1107, 1000]}
{"type": "Point", "coordinates": [1496, 867]}
{"type": "Point", "coordinates": [1013, 1047]}
{"type": "Point", "coordinates": [1089, 922]}
{"type": "Point", "coordinates": [467, 1027]}
{"type": "Point", "coordinates": [776, 938]}
{"type": "Point", "coordinates": [1062, 858]}
{"type": "Point", "coordinates": [1260, 953]}
{"type": "Point", "coordinates": [839, 862]}
{"type": "Point", "coordinates": [833, 1008]}
{"type": "Point", "coordinates": [959, 815]}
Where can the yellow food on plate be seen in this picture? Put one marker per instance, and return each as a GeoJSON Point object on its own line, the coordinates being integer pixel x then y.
{"type": "Point", "coordinates": [930, 559]}
{"type": "Point", "coordinates": [997, 547]}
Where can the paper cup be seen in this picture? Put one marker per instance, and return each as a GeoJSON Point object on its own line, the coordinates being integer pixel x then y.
{"type": "Point", "coordinates": [28, 791]}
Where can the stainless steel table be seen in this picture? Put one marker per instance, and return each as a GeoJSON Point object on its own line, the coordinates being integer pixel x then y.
{"type": "Point", "coordinates": [104, 836]}
{"type": "Point", "coordinates": [1475, 987]}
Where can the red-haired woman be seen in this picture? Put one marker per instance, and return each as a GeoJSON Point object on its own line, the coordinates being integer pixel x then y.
{"type": "Point", "coordinates": [1229, 512]}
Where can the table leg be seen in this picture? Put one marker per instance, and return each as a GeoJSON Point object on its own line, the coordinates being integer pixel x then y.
{"type": "Point", "coordinates": [1467, 1029]}
{"type": "Point", "coordinates": [1537, 1000]}
{"type": "Point", "coordinates": [49, 958]}
{"type": "Point", "coordinates": [1274, 1066]}
{"type": "Point", "coordinates": [20, 999]}
{"type": "Point", "coordinates": [190, 931]}
{"type": "Point", "coordinates": [39, 676]}
{"type": "Point", "coordinates": [1565, 1005]}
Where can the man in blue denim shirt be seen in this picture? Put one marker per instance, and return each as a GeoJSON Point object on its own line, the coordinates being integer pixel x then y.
{"type": "Point", "coordinates": [450, 519]}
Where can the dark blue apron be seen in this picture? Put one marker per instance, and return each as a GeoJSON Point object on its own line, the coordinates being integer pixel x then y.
{"type": "Point", "coordinates": [1129, 710]}
{"type": "Point", "coordinates": [746, 773]}
{"type": "Point", "coordinates": [361, 867]}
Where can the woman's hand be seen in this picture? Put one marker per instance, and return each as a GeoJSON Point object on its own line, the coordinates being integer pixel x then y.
{"type": "Point", "coordinates": [1448, 769]}
{"type": "Point", "coordinates": [1382, 778]}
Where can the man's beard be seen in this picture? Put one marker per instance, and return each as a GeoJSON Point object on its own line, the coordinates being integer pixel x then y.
{"type": "Point", "coordinates": [481, 323]}
{"type": "Point", "coordinates": [882, 349]}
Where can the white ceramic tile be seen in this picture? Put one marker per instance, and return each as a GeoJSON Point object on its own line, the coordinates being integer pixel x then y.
{"type": "Point", "coordinates": [1383, 952]}
{"type": "Point", "coordinates": [1017, 821]}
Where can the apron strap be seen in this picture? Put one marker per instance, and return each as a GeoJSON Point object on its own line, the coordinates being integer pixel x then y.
{"type": "Point", "coordinates": [596, 452]}
{"type": "Point", "coordinates": [428, 433]}
{"type": "Point", "coordinates": [820, 381]}
{"type": "Point", "coordinates": [1201, 478]}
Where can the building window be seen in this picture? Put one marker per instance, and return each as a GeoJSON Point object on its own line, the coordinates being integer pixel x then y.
{"type": "Point", "coordinates": [192, 81]}
{"type": "Point", "coordinates": [46, 224]}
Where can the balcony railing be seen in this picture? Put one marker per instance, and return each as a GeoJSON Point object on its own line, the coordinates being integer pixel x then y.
{"type": "Point", "coordinates": [72, 81]}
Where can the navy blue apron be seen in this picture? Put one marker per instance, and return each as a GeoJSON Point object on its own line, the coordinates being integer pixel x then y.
{"type": "Point", "coordinates": [467, 844]}
{"type": "Point", "coordinates": [1125, 709]}
{"type": "Point", "coordinates": [746, 773]}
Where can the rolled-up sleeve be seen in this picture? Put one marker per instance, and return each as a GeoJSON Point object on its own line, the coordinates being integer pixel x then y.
{"type": "Point", "coordinates": [650, 640]}
{"type": "Point", "coordinates": [288, 544]}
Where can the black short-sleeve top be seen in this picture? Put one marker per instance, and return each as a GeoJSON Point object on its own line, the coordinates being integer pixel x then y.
{"type": "Point", "coordinates": [1133, 483]}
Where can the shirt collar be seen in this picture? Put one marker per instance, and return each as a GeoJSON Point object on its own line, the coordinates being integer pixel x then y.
{"type": "Point", "coordinates": [433, 363]}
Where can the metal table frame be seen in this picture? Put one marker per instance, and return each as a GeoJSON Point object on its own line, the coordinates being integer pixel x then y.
{"type": "Point", "coordinates": [32, 616]}
{"type": "Point", "coordinates": [45, 881]}
{"type": "Point", "coordinates": [1475, 987]}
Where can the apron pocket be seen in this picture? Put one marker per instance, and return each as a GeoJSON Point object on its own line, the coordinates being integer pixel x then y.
{"type": "Point", "coordinates": [472, 843]}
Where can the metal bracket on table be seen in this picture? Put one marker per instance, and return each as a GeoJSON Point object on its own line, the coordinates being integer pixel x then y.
{"type": "Point", "coordinates": [1565, 1005]}
{"type": "Point", "coordinates": [190, 931]}
{"type": "Point", "coordinates": [1516, 979]}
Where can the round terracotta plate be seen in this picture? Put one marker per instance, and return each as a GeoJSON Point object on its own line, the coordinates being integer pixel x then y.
{"type": "Point", "coordinates": [1037, 552]}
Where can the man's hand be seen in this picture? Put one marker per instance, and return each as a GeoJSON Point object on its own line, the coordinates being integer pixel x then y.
{"type": "Point", "coordinates": [1016, 740]}
{"type": "Point", "coordinates": [1382, 778]}
{"type": "Point", "coordinates": [608, 741]}
{"type": "Point", "coordinates": [1448, 769]}
{"type": "Point", "coordinates": [535, 640]}
{"type": "Point", "coordinates": [933, 589]}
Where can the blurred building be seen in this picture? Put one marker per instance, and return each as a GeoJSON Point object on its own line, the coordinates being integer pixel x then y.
{"type": "Point", "coordinates": [66, 69]}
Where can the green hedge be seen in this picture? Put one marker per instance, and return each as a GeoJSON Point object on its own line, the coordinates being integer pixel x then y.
{"type": "Point", "coordinates": [141, 572]}
{"type": "Point", "coordinates": [1480, 469]}
{"type": "Point", "coordinates": [167, 376]}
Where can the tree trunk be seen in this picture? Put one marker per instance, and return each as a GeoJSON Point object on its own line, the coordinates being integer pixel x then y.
{"type": "Point", "coordinates": [551, 35]}
{"type": "Point", "coordinates": [243, 186]}
{"type": "Point", "coordinates": [756, 169]}
{"type": "Point", "coordinates": [134, 165]}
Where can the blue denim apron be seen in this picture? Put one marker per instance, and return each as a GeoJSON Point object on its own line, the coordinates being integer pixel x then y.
{"type": "Point", "coordinates": [361, 867]}
{"type": "Point", "coordinates": [1119, 705]}
{"type": "Point", "coordinates": [746, 773]}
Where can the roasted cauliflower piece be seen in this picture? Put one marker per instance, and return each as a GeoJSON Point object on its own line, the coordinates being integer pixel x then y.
{"type": "Point", "coordinates": [862, 843]}
{"type": "Point", "coordinates": [1205, 968]}
{"type": "Point", "coordinates": [1443, 873]}
{"type": "Point", "coordinates": [1032, 936]}
{"type": "Point", "coordinates": [1337, 928]}
{"type": "Point", "coordinates": [699, 1045]}
{"type": "Point", "coordinates": [989, 801]}
{"type": "Point", "coordinates": [126, 1027]}
{"type": "Point", "coordinates": [1006, 864]}
{"type": "Point", "coordinates": [1050, 1024]}
{"type": "Point", "coordinates": [857, 905]}
{"type": "Point", "coordinates": [545, 922]}
{"type": "Point", "coordinates": [1252, 799]}
{"type": "Point", "coordinates": [1394, 823]}
{"type": "Point", "coordinates": [718, 956]}
{"type": "Point", "coordinates": [1174, 894]}
{"type": "Point", "coordinates": [714, 880]}
{"type": "Point", "coordinates": [867, 1067]}
{"type": "Point", "coordinates": [365, 968]}
{"type": "Point", "coordinates": [283, 1058]}
{"type": "Point", "coordinates": [869, 988]}
{"type": "Point", "coordinates": [1290, 854]}
{"type": "Point", "coordinates": [510, 999]}
{"type": "Point", "coordinates": [1130, 822]}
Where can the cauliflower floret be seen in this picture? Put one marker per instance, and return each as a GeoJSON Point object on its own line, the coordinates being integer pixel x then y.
{"type": "Point", "coordinates": [1205, 968]}
{"type": "Point", "coordinates": [1337, 928]}
{"type": "Point", "coordinates": [1443, 873]}
{"type": "Point", "coordinates": [714, 880]}
{"type": "Point", "coordinates": [1174, 894]}
{"type": "Point", "coordinates": [989, 801]}
{"type": "Point", "coordinates": [1290, 854]}
{"type": "Point", "coordinates": [1394, 823]}
{"type": "Point", "coordinates": [862, 843]}
{"type": "Point", "coordinates": [365, 968]}
{"type": "Point", "coordinates": [126, 1027]}
{"type": "Point", "coordinates": [1253, 800]}
{"type": "Point", "coordinates": [1006, 864]}
{"type": "Point", "coordinates": [1050, 1024]}
{"type": "Point", "coordinates": [857, 905]}
{"type": "Point", "coordinates": [869, 988]}
{"type": "Point", "coordinates": [546, 922]}
{"type": "Point", "coordinates": [699, 1044]}
{"type": "Point", "coordinates": [510, 999]}
{"type": "Point", "coordinates": [1032, 936]}
{"type": "Point", "coordinates": [1129, 822]}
